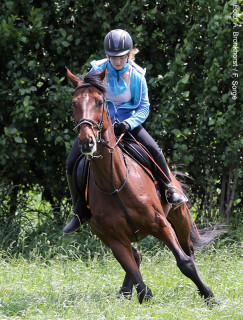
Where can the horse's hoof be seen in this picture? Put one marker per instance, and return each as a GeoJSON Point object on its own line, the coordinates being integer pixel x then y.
{"type": "Point", "coordinates": [126, 293]}
{"type": "Point", "coordinates": [145, 295]}
{"type": "Point", "coordinates": [213, 301]}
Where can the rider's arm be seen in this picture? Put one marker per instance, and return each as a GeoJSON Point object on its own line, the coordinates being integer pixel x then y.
{"type": "Point", "coordinates": [142, 111]}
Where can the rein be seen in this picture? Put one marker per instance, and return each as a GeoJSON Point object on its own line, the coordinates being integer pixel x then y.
{"type": "Point", "coordinates": [115, 192]}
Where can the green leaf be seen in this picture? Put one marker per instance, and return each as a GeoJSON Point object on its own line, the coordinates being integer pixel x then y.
{"type": "Point", "coordinates": [32, 88]}
{"type": "Point", "coordinates": [70, 38]}
{"type": "Point", "coordinates": [214, 89]}
{"type": "Point", "coordinates": [154, 10]}
{"type": "Point", "coordinates": [26, 101]}
{"type": "Point", "coordinates": [24, 39]}
{"type": "Point", "coordinates": [32, 64]}
{"type": "Point", "coordinates": [186, 94]}
{"type": "Point", "coordinates": [211, 122]}
{"type": "Point", "coordinates": [185, 79]}
{"type": "Point", "coordinates": [18, 139]}
{"type": "Point", "coordinates": [186, 131]}
{"type": "Point", "coordinates": [65, 44]}
{"type": "Point", "coordinates": [176, 132]}
{"type": "Point", "coordinates": [63, 32]}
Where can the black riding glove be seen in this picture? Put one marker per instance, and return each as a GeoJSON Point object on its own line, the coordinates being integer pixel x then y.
{"type": "Point", "coordinates": [121, 128]}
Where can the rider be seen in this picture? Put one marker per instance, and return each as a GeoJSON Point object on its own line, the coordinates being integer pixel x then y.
{"type": "Point", "coordinates": [127, 97]}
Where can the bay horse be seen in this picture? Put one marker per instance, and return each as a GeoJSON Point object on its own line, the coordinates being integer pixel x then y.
{"type": "Point", "coordinates": [122, 197]}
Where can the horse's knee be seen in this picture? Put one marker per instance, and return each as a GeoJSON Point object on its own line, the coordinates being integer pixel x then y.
{"type": "Point", "coordinates": [137, 256]}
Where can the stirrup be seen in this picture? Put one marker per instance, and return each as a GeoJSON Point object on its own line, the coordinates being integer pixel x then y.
{"type": "Point", "coordinates": [179, 204]}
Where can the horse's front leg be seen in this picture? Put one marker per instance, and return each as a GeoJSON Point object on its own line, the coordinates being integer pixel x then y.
{"type": "Point", "coordinates": [125, 255]}
{"type": "Point", "coordinates": [126, 289]}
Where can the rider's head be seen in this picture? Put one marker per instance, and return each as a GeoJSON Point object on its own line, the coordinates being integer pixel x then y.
{"type": "Point", "coordinates": [118, 43]}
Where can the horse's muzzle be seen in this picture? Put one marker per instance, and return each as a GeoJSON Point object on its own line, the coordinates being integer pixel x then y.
{"type": "Point", "coordinates": [88, 147]}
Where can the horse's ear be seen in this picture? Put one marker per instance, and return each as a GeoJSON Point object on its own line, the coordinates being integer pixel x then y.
{"type": "Point", "coordinates": [102, 75]}
{"type": "Point", "coordinates": [75, 80]}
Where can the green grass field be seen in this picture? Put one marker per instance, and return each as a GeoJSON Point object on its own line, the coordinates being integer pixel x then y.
{"type": "Point", "coordinates": [74, 288]}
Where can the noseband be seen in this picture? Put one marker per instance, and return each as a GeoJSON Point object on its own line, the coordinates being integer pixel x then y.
{"type": "Point", "coordinates": [115, 191]}
{"type": "Point", "coordinates": [91, 122]}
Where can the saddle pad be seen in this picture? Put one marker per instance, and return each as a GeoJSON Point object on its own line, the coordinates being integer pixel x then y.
{"type": "Point", "coordinates": [80, 176]}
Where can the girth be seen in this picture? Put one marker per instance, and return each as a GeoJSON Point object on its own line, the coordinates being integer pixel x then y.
{"type": "Point", "coordinates": [81, 178]}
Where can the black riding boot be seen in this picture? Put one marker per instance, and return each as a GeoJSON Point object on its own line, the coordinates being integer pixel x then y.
{"type": "Point", "coordinates": [74, 224]}
{"type": "Point", "coordinates": [171, 195]}
{"type": "Point", "coordinates": [81, 214]}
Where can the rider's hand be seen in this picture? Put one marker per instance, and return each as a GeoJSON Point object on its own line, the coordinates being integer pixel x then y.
{"type": "Point", "coordinates": [121, 128]}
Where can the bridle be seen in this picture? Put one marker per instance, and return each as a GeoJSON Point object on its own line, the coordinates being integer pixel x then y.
{"type": "Point", "coordinates": [115, 192]}
{"type": "Point", "coordinates": [91, 122]}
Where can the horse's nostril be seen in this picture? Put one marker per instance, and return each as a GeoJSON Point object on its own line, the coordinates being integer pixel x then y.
{"type": "Point", "coordinates": [88, 145]}
{"type": "Point", "coordinates": [91, 142]}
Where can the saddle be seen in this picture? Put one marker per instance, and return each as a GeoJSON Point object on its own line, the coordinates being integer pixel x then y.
{"type": "Point", "coordinates": [133, 150]}
{"type": "Point", "coordinates": [130, 147]}
{"type": "Point", "coordinates": [81, 175]}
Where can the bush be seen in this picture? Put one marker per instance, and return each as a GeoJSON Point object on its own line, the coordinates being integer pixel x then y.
{"type": "Point", "coordinates": [187, 50]}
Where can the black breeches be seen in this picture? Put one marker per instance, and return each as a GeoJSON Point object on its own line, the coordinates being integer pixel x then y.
{"type": "Point", "coordinates": [142, 136]}
{"type": "Point", "coordinates": [74, 153]}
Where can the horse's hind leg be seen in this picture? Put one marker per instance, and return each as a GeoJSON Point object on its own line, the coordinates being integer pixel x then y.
{"type": "Point", "coordinates": [124, 254]}
{"type": "Point", "coordinates": [165, 232]}
{"type": "Point", "coordinates": [126, 289]}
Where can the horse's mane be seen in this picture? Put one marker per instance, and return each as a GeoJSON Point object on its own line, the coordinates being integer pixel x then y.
{"type": "Point", "coordinates": [95, 81]}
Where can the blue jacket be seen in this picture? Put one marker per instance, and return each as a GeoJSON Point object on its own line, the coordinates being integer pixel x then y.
{"type": "Point", "coordinates": [136, 111]}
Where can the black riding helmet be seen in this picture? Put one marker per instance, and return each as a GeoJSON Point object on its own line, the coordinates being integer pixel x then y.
{"type": "Point", "coordinates": [117, 43]}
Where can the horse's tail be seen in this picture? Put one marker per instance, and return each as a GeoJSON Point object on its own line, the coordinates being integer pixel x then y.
{"type": "Point", "coordinates": [200, 238]}
{"type": "Point", "coordinates": [204, 236]}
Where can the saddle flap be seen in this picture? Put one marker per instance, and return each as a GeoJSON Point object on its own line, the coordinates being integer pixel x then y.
{"type": "Point", "coordinates": [80, 176]}
{"type": "Point", "coordinates": [134, 150]}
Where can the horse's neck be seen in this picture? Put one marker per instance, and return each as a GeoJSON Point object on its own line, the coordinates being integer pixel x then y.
{"type": "Point", "coordinates": [110, 166]}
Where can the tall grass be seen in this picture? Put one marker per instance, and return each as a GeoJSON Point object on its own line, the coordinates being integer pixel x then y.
{"type": "Point", "coordinates": [46, 275]}
{"type": "Point", "coordinates": [69, 287]}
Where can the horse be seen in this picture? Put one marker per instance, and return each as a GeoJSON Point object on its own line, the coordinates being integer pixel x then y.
{"type": "Point", "coordinates": [123, 200]}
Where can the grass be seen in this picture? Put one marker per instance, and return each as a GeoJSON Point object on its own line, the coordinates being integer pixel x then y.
{"type": "Point", "coordinates": [61, 287]}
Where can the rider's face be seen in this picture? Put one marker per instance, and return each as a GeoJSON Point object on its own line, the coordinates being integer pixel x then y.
{"type": "Point", "coordinates": [119, 62]}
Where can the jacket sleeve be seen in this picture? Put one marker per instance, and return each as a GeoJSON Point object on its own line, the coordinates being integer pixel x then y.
{"type": "Point", "coordinates": [98, 66]}
{"type": "Point", "coordinates": [142, 111]}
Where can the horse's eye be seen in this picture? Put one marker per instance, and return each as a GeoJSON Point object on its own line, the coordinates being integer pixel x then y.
{"type": "Point", "coordinates": [100, 103]}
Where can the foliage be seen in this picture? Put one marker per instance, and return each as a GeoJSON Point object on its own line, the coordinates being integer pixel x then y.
{"type": "Point", "coordinates": [194, 116]}
{"type": "Point", "coordinates": [187, 50]}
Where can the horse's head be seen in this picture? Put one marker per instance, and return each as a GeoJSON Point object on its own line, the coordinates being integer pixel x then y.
{"type": "Point", "coordinates": [90, 110]}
